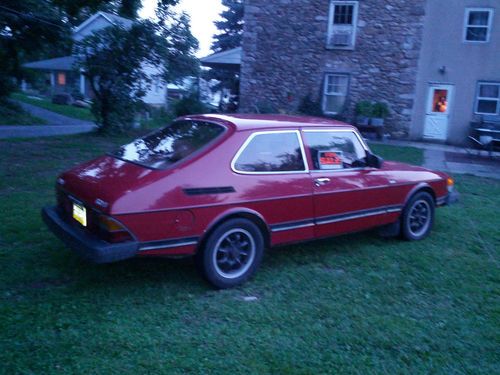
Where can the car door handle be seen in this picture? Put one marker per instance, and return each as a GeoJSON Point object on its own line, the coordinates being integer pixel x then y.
{"type": "Point", "coordinates": [321, 181]}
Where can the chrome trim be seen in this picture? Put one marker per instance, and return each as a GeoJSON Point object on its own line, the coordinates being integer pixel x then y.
{"type": "Point", "coordinates": [357, 215]}
{"type": "Point", "coordinates": [167, 246]}
{"type": "Point", "coordinates": [253, 135]}
{"type": "Point", "coordinates": [350, 217]}
{"type": "Point", "coordinates": [320, 181]}
{"type": "Point", "coordinates": [292, 226]}
{"type": "Point", "coordinates": [101, 203]}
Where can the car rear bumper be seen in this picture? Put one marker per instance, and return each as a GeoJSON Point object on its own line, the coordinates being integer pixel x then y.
{"type": "Point", "coordinates": [83, 243]}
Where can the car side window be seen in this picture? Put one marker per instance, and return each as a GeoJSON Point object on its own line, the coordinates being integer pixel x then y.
{"type": "Point", "coordinates": [271, 152]}
{"type": "Point", "coordinates": [335, 150]}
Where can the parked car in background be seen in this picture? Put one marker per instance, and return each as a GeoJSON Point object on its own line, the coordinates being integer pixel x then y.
{"type": "Point", "coordinates": [223, 188]}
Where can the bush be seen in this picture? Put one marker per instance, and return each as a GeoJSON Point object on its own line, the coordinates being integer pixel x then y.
{"type": "Point", "coordinates": [190, 105]}
{"type": "Point", "coordinates": [380, 110]}
{"type": "Point", "coordinates": [364, 108]}
{"type": "Point", "coordinates": [265, 108]}
{"type": "Point", "coordinates": [63, 98]}
{"type": "Point", "coordinates": [7, 85]}
{"type": "Point", "coordinates": [310, 107]}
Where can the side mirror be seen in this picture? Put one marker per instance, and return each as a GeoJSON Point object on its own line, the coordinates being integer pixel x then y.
{"type": "Point", "coordinates": [374, 161]}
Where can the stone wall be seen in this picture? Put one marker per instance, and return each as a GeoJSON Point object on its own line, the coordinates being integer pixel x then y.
{"type": "Point", "coordinates": [285, 55]}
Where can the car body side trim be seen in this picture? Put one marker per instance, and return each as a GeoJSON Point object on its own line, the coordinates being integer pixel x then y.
{"type": "Point", "coordinates": [357, 214]}
{"type": "Point", "coordinates": [167, 244]}
{"type": "Point", "coordinates": [292, 225]}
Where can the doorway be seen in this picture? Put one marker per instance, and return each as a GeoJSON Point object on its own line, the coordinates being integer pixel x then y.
{"type": "Point", "coordinates": [437, 113]}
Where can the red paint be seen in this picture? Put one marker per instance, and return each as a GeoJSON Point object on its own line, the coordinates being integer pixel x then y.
{"type": "Point", "coordinates": [153, 206]}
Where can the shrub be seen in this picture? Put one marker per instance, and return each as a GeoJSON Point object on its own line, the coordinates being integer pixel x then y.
{"type": "Point", "coordinates": [189, 105]}
{"type": "Point", "coordinates": [364, 108]}
{"type": "Point", "coordinates": [265, 107]}
{"type": "Point", "coordinates": [380, 110]}
{"type": "Point", "coordinates": [311, 107]}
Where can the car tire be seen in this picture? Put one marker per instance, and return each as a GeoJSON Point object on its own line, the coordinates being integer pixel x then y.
{"type": "Point", "coordinates": [418, 217]}
{"type": "Point", "coordinates": [231, 254]}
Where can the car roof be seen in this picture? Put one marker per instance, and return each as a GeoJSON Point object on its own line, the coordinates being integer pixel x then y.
{"type": "Point", "coordinates": [258, 121]}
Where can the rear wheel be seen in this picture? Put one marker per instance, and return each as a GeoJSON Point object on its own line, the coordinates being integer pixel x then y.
{"type": "Point", "coordinates": [418, 217]}
{"type": "Point", "coordinates": [232, 253]}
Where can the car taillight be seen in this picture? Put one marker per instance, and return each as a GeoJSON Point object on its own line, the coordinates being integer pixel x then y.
{"type": "Point", "coordinates": [113, 231]}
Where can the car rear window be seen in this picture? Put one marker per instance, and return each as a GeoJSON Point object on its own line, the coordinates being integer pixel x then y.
{"type": "Point", "coordinates": [170, 144]}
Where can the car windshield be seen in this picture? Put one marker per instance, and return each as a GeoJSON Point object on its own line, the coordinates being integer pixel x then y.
{"type": "Point", "coordinates": [170, 144]}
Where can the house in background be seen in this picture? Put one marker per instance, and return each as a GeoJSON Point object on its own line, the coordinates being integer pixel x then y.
{"type": "Point", "coordinates": [459, 64]}
{"type": "Point", "coordinates": [64, 77]}
{"type": "Point", "coordinates": [436, 64]}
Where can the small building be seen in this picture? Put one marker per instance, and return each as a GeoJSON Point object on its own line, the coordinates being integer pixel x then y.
{"type": "Point", "coordinates": [64, 76]}
{"type": "Point", "coordinates": [434, 63]}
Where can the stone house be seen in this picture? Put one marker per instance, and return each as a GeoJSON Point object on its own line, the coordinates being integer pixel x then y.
{"type": "Point", "coordinates": [64, 77]}
{"type": "Point", "coordinates": [408, 54]}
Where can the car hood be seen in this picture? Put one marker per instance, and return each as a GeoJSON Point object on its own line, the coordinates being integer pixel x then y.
{"type": "Point", "coordinates": [107, 179]}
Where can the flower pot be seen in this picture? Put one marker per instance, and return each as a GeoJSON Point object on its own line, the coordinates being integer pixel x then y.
{"type": "Point", "coordinates": [362, 120]}
{"type": "Point", "coordinates": [376, 121]}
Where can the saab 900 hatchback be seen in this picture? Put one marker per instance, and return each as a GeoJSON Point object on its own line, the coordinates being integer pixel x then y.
{"type": "Point", "coordinates": [223, 188]}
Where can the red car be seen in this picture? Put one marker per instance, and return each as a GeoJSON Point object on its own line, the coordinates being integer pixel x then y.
{"type": "Point", "coordinates": [223, 188]}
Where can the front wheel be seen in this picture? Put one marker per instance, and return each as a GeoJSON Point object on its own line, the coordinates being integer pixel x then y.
{"type": "Point", "coordinates": [232, 253]}
{"type": "Point", "coordinates": [418, 217]}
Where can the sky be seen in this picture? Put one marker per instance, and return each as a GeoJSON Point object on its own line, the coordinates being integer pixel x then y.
{"type": "Point", "coordinates": [203, 13]}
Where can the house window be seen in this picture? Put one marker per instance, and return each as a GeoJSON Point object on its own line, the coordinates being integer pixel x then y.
{"type": "Point", "coordinates": [488, 98]}
{"type": "Point", "coordinates": [478, 24]}
{"type": "Point", "coordinates": [335, 93]}
{"type": "Point", "coordinates": [342, 23]}
{"type": "Point", "coordinates": [61, 79]}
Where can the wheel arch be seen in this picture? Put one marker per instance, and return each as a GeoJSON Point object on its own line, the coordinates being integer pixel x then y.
{"type": "Point", "coordinates": [237, 213]}
{"type": "Point", "coordinates": [423, 186]}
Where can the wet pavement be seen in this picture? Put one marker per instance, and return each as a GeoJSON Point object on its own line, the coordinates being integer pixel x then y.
{"type": "Point", "coordinates": [463, 163]}
{"type": "Point", "coordinates": [455, 159]}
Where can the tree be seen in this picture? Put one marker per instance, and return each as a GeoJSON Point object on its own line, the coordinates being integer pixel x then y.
{"type": "Point", "coordinates": [38, 29]}
{"type": "Point", "coordinates": [29, 29]}
{"type": "Point", "coordinates": [114, 59]}
{"type": "Point", "coordinates": [230, 27]}
{"type": "Point", "coordinates": [229, 37]}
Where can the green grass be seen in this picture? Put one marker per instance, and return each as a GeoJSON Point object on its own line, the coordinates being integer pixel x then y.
{"type": "Point", "coordinates": [353, 304]}
{"type": "Point", "coordinates": [13, 114]}
{"type": "Point", "coordinates": [66, 110]}
{"type": "Point", "coordinates": [404, 154]}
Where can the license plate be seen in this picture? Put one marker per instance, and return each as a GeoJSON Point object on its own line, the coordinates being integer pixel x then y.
{"type": "Point", "coordinates": [80, 214]}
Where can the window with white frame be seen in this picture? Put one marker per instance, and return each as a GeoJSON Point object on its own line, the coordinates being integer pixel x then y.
{"type": "Point", "coordinates": [342, 21]}
{"type": "Point", "coordinates": [335, 93]}
{"type": "Point", "coordinates": [478, 23]}
{"type": "Point", "coordinates": [488, 98]}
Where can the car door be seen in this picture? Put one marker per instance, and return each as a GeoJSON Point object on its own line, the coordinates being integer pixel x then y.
{"type": "Point", "coordinates": [347, 195]}
{"type": "Point", "coordinates": [272, 179]}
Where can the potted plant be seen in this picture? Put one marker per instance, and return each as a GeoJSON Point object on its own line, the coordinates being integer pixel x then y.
{"type": "Point", "coordinates": [363, 112]}
{"type": "Point", "coordinates": [379, 112]}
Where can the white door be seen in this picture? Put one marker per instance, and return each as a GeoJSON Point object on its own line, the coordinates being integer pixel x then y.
{"type": "Point", "coordinates": [438, 111]}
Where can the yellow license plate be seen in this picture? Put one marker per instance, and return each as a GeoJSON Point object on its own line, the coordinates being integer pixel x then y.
{"type": "Point", "coordinates": [80, 214]}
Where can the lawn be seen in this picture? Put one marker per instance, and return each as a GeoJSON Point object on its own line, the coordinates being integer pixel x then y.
{"type": "Point", "coordinates": [66, 110]}
{"type": "Point", "coordinates": [353, 304]}
{"type": "Point", "coordinates": [12, 114]}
